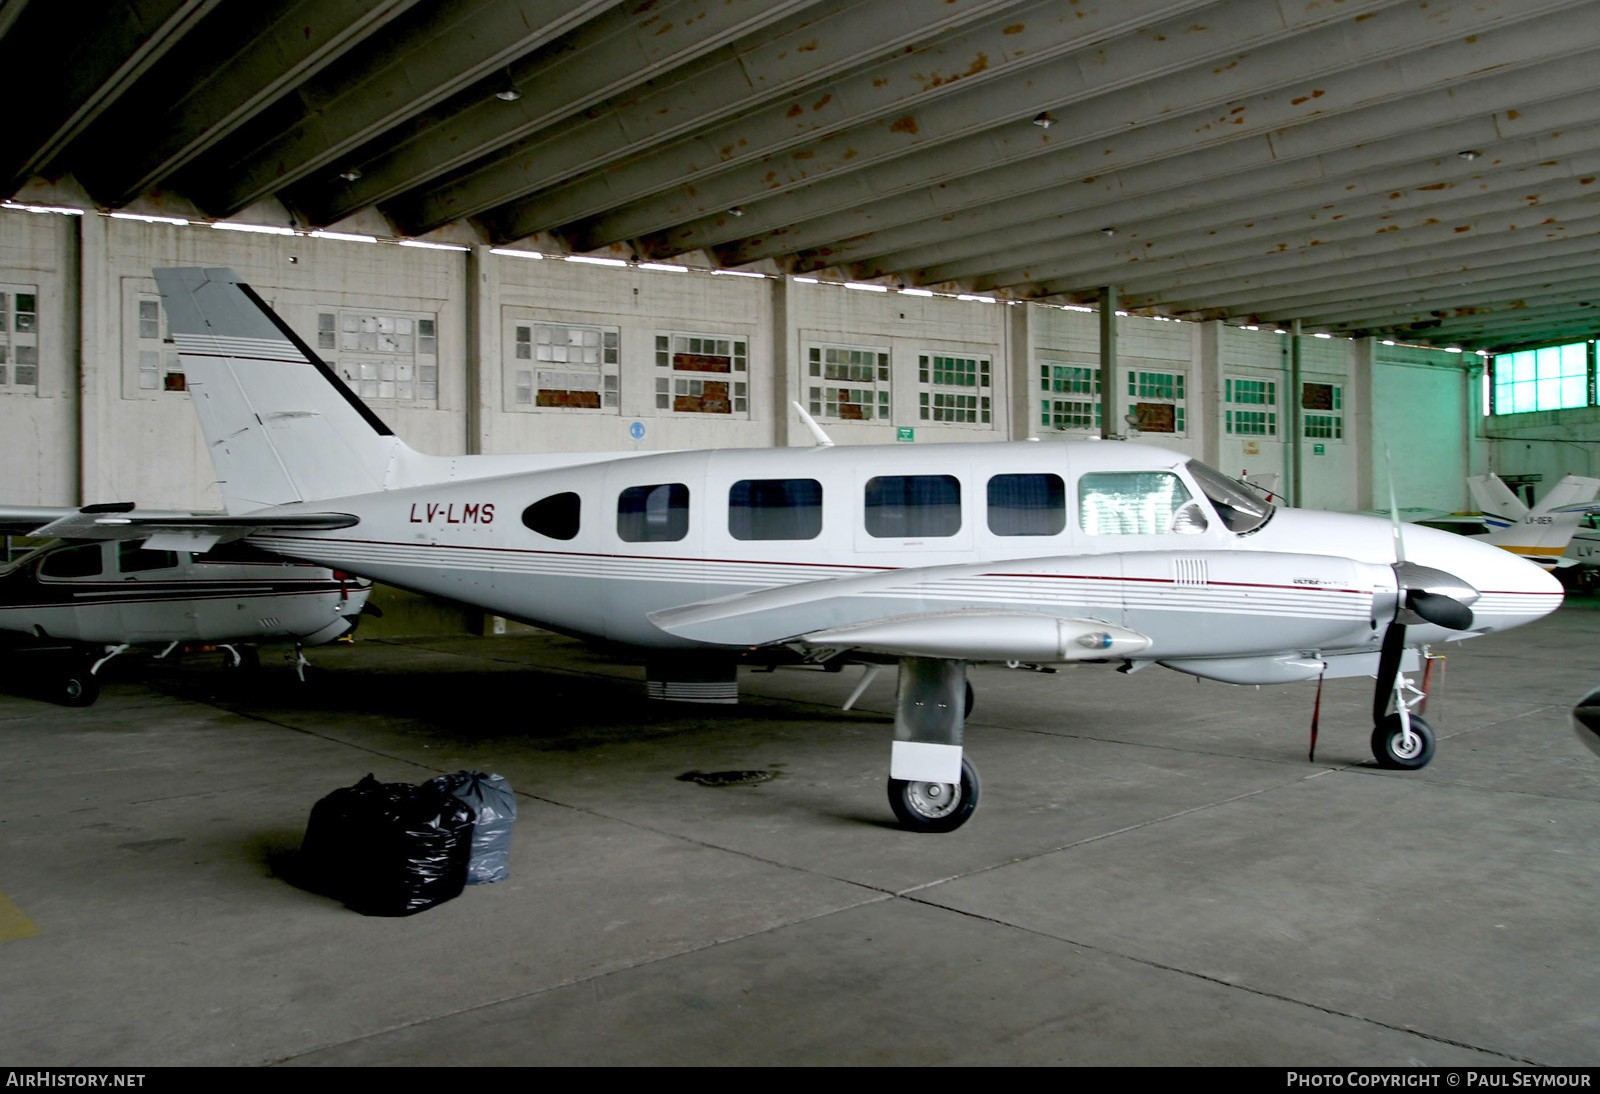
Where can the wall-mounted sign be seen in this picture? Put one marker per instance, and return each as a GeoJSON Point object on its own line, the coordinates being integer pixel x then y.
{"type": "Point", "coordinates": [1319, 449]}
{"type": "Point", "coordinates": [905, 433]}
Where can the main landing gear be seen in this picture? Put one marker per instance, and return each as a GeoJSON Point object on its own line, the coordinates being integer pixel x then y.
{"type": "Point", "coordinates": [932, 786]}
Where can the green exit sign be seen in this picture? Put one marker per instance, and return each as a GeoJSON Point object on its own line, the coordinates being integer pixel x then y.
{"type": "Point", "coordinates": [1319, 450]}
{"type": "Point", "coordinates": [905, 433]}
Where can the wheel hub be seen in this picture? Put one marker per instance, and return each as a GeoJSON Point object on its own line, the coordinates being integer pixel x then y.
{"type": "Point", "coordinates": [933, 800]}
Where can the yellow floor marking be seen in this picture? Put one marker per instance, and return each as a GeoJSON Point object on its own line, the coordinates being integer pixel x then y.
{"type": "Point", "coordinates": [13, 924]}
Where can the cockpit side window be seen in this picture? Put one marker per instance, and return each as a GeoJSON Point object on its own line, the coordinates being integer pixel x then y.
{"type": "Point", "coordinates": [1136, 503]}
{"type": "Point", "coordinates": [73, 562]}
{"type": "Point", "coordinates": [1242, 509]}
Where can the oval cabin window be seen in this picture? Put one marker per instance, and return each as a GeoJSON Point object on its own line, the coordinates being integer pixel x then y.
{"type": "Point", "coordinates": [555, 517]}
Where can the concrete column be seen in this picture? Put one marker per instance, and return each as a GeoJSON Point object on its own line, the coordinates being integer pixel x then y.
{"type": "Point", "coordinates": [99, 355]}
{"type": "Point", "coordinates": [1110, 421]}
{"type": "Point", "coordinates": [1296, 416]}
{"type": "Point", "coordinates": [1358, 419]}
{"type": "Point", "coordinates": [483, 372]}
{"type": "Point", "coordinates": [785, 389]}
{"type": "Point", "coordinates": [1205, 403]}
{"type": "Point", "coordinates": [1022, 372]}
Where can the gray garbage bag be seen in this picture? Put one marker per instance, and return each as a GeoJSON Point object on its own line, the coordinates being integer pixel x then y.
{"type": "Point", "coordinates": [492, 800]}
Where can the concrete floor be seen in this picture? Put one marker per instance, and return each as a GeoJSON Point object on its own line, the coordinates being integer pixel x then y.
{"type": "Point", "coordinates": [1156, 874]}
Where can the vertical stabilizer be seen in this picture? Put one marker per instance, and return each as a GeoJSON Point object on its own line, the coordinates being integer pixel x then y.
{"type": "Point", "coordinates": [1495, 499]}
{"type": "Point", "coordinates": [280, 425]}
{"type": "Point", "coordinates": [1543, 532]}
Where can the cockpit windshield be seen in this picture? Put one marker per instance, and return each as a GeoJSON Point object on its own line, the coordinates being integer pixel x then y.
{"type": "Point", "coordinates": [1241, 508]}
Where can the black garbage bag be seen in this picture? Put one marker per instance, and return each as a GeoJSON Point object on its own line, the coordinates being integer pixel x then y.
{"type": "Point", "coordinates": [495, 806]}
{"type": "Point", "coordinates": [388, 849]}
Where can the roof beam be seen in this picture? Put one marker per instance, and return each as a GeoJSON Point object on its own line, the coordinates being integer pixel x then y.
{"type": "Point", "coordinates": [1359, 227]}
{"type": "Point", "coordinates": [1037, 54]}
{"type": "Point", "coordinates": [622, 48]}
{"type": "Point", "coordinates": [390, 78]}
{"type": "Point", "coordinates": [1293, 297]}
{"type": "Point", "coordinates": [103, 59]}
{"type": "Point", "coordinates": [771, 65]}
{"type": "Point", "coordinates": [214, 82]}
{"type": "Point", "coordinates": [1323, 76]}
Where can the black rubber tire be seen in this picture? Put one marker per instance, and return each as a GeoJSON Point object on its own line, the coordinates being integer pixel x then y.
{"type": "Point", "coordinates": [1385, 740]}
{"type": "Point", "coordinates": [76, 688]}
{"type": "Point", "coordinates": [921, 807]}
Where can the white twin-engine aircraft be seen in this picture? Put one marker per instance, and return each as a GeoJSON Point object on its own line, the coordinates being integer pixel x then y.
{"type": "Point", "coordinates": [936, 555]}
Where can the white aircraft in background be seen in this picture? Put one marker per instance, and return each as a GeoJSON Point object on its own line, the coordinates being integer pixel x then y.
{"type": "Point", "coordinates": [92, 601]}
{"type": "Point", "coordinates": [936, 555]}
{"type": "Point", "coordinates": [1548, 533]}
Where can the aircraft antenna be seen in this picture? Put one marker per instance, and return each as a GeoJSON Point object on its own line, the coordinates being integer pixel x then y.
{"type": "Point", "coordinates": [822, 439]}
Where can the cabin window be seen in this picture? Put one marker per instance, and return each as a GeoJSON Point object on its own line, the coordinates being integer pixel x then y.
{"type": "Point", "coordinates": [653, 514]}
{"type": "Point", "coordinates": [1136, 503]}
{"type": "Point", "coordinates": [913, 506]}
{"type": "Point", "coordinates": [1027, 505]}
{"type": "Point", "coordinates": [132, 559]}
{"type": "Point", "coordinates": [73, 562]}
{"type": "Point", "coordinates": [775, 509]}
{"type": "Point", "coordinates": [1070, 397]}
{"type": "Point", "coordinates": [555, 517]}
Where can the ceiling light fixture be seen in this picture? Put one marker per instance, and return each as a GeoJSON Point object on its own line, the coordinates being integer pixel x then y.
{"type": "Point", "coordinates": [1108, 231]}
{"type": "Point", "coordinates": [350, 174]}
{"type": "Point", "coordinates": [1469, 154]}
{"type": "Point", "coordinates": [1044, 121]}
{"type": "Point", "coordinates": [736, 211]}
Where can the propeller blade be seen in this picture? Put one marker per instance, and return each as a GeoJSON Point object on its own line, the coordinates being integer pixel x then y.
{"type": "Point", "coordinates": [1394, 645]}
{"type": "Point", "coordinates": [1440, 610]}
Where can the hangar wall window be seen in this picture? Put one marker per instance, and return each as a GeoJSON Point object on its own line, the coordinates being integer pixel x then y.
{"type": "Point", "coordinates": [562, 365]}
{"type": "Point", "coordinates": [19, 338]}
{"type": "Point", "coordinates": [1027, 505]}
{"type": "Point", "coordinates": [1157, 400]}
{"type": "Point", "coordinates": [775, 509]}
{"type": "Point", "coordinates": [955, 388]}
{"type": "Point", "coordinates": [387, 358]}
{"type": "Point", "coordinates": [1250, 407]}
{"type": "Point", "coordinates": [848, 383]}
{"type": "Point", "coordinates": [704, 374]}
{"type": "Point", "coordinates": [1133, 503]}
{"type": "Point", "coordinates": [653, 514]}
{"type": "Point", "coordinates": [1071, 397]}
{"type": "Point", "coordinates": [1552, 378]}
{"type": "Point", "coordinates": [1323, 407]}
{"type": "Point", "coordinates": [150, 365]}
{"type": "Point", "coordinates": [913, 506]}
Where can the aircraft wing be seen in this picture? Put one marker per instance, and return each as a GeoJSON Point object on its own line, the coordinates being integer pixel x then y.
{"type": "Point", "coordinates": [905, 612]}
{"type": "Point", "coordinates": [162, 530]}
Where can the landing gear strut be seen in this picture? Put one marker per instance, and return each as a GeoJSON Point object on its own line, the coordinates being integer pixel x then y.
{"type": "Point", "coordinates": [932, 786]}
{"type": "Point", "coordinates": [1402, 741]}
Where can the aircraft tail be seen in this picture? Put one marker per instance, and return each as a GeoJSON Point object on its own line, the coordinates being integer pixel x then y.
{"type": "Point", "coordinates": [1495, 499]}
{"type": "Point", "coordinates": [1543, 532]}
{"type": "Point", "coordinates": [280, 424]}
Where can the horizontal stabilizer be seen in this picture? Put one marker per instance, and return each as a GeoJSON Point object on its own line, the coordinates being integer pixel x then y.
{"type": "Point", "coordinates": [98, 522]}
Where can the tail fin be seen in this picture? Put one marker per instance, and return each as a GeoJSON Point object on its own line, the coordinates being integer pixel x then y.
{"type": "Point", "coordinates": [1542, 534]}
{"type": "Point", "coordinates": [280, 424]}
{"type": "Point", "coordinates": [1495, 499]}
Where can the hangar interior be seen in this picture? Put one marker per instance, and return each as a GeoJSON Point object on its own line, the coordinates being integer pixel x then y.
{"type": "Point", "coordinates": [1340, 242]}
